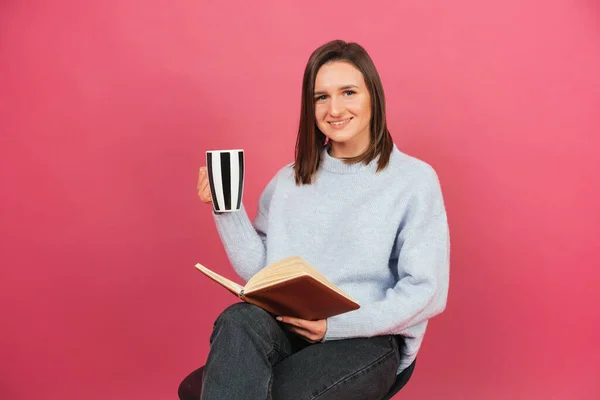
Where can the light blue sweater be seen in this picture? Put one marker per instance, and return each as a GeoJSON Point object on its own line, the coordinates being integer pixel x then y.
{"type": "Point", "coordinates": [381, 237]}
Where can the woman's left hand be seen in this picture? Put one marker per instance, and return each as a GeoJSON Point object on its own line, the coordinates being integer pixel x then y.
{"type": "Point", "coordinates": [312, 331]}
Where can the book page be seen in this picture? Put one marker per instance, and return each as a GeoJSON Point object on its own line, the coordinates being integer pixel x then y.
{"type": "Point", "coordinates": [226, 283]}
{"type": "Point", "coordinates": [286, 269]}
{"type": "Point", "coordinates": [273, 273]}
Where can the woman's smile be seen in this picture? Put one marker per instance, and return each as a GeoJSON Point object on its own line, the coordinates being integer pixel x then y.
{"type": "Point", "coordinates": [340, 124]}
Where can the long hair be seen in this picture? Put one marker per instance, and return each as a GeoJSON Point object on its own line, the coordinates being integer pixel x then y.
{"type": "Point", "coordinates": [310, 140]}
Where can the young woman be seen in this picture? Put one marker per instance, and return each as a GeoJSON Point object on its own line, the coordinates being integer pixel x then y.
{"type": "Point", "coordinates": [367, 216]}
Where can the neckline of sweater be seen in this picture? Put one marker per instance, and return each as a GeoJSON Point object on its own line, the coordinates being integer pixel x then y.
{"type": "Point", "coordinates": [338, 166]}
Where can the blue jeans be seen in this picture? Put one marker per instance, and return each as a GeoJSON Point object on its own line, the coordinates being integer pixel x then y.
{"type": "Point", "coordinates": [253, 356]}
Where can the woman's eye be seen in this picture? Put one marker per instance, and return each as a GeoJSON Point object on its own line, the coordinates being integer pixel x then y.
{"type": "Point", "coordinates": [349, 92]}
{"type": "Point", "coordinates": [322, 97]}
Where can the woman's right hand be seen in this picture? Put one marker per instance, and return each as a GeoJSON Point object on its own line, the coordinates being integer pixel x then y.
{"type": "Point", "coordinates": [203, 188]}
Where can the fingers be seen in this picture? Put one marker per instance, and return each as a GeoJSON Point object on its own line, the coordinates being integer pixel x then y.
{"type": "Point", "coordinates": [313, 331]}
{"type": "Point", "coordinates": [301, 323]}
{"type": "Point", "coordinates": [202, 177]}
{"type": "Point", "coordinates": [205, 195]}
{"type": "Point", "coordinates": [308, 336]}
{"type": "Point", "coordinates": [203, 187]}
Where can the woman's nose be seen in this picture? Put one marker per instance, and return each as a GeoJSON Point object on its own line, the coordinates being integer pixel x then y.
{"type": "Point", "coordinates": [336, 107]}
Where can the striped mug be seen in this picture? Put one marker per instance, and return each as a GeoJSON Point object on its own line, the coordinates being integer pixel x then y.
{"type": "Point", "coordinates": [226, 178]}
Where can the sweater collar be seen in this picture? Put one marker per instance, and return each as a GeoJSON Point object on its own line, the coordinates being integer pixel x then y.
{"type": "Point", "coordinates": [338, 165]}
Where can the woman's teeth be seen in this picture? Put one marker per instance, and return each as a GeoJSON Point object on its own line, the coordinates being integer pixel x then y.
{"type": "Point", "coordinates": [338, 124]}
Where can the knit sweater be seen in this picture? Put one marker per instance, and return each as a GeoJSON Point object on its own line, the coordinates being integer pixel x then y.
{"type": "Point", "coordinates": [382, 237]}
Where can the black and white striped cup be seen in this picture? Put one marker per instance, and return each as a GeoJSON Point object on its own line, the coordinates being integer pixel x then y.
{"type": "Point", "coordinates": [226, 178]}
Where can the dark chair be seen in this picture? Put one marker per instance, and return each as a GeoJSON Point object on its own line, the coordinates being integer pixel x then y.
{"type": "Point", "coordinates": [191, 386]}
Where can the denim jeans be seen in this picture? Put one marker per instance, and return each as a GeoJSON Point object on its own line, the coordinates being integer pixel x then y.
{"type": "Point", "coordinates": [253, 356]}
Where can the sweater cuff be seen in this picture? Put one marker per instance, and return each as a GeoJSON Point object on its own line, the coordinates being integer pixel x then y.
{"type": "Point", "coordinates": [338, 327]}
{"type": "Point", "coordinates": [233, 226]}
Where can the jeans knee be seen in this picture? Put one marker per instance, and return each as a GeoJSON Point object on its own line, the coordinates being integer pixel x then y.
{"type": "Point", "coordinates": [241, 313]}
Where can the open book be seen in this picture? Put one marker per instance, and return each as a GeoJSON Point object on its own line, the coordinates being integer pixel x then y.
{"type": "Point", "coordinates": [290, 287]}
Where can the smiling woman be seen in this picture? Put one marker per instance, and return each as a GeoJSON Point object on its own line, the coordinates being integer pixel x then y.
{"type": "Point", "coordinates": [368, 217]}
{"type": "Point", "coordinates": [343, 108]}
{"type": "Point", "coordinates": [343, 105]}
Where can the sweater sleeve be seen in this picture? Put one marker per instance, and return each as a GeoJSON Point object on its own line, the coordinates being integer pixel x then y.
{"type": "Point", "coordinates": [244, 241]}
{"type": "Point", "coordinates": [423, 262]}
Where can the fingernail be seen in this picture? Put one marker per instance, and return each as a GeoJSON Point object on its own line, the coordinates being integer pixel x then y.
{"type": "Point", "coordinates": [279, 319]}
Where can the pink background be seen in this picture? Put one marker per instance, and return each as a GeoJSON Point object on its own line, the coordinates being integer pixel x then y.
{"type": "Point", "coordinates": [107, 108]}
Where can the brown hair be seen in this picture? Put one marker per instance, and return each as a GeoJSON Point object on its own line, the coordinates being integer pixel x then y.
{"type": "Point", "coordinates": [310, 140]}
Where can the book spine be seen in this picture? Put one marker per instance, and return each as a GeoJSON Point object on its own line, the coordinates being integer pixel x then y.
{"type": "Point", "coordinates": [241, 294]}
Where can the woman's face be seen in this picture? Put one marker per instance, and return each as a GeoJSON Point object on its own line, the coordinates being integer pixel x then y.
{"type": "Point", "coordinates": [343, 108]}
